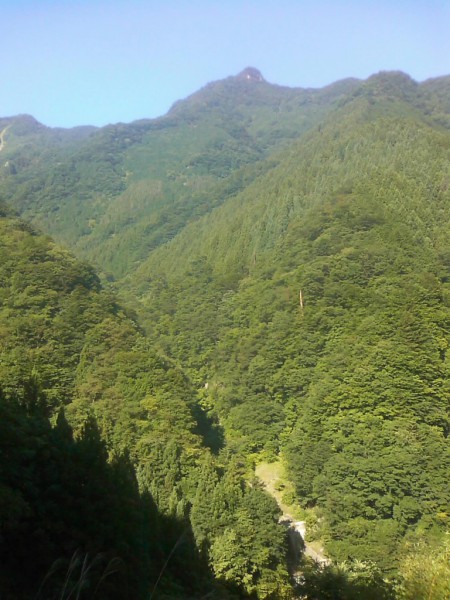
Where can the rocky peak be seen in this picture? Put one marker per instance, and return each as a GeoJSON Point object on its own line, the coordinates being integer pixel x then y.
{"type": "Point", "coordinates": [250, 74]}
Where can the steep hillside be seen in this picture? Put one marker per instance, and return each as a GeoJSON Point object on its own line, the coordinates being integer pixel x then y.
{"type": "Point", "coordinates": [286, 253]}
{"type": "Point", "coordinates": [70, 519]}
{"type": "Point", "coordinates": [61, 328]}
{"type": "Point", "coordinates": [102, 513]}
{"type": "Point", "coordinates": [314, 305]}
{"type": "Point", "coordinates": [115, 194]}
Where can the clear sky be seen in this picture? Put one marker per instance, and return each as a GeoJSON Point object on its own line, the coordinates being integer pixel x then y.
{"type": "Point", "coordinates": [73, 62]}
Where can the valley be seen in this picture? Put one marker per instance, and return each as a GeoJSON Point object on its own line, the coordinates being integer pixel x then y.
{"type": "Point", "coordinates": [260, 275]}
{"type": "Point", "coordinates": [273, 478]}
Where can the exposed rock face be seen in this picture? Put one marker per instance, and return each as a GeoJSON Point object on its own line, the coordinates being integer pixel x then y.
{"type": "Point", "coordinates": [250, 74]}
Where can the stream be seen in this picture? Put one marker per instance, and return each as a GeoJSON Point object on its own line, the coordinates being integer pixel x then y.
{"type": "Point", "coordinates": [296, 529]}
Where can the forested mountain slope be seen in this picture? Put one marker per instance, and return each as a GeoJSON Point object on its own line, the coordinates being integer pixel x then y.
{"type": "Point", "coordinates": [65, 343]}
{"type": "Point", "coordinates": [101, 514]}
{"type": "Point", "coordinates": [286, 252]}
{"type": "Point", "coordinates": [315, 305]}
{"type": "Point", "coordinates": [116, 193]}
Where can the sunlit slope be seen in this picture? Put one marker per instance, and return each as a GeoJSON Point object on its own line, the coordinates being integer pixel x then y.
{"type": "Point", "coordinates": [315, 306]}
{"type": "Point", "coordinates": [289, 251]}
{"type": "Point", "coordinates": [116, 193]}
{"type": "Point", "coordinates": [60, 329]}
{"type": "Point", "coordinates": [377, 131]}
{"type": "Point", "coordinates": [147, 482]}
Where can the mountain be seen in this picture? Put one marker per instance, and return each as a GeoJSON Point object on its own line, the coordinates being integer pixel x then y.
{"type": "Point", "coordinates": [286, 255]}
{"type": "Point", "coordinates": [149, 178]}
{"type": "Point", "coordinates": [65, 511]}
{"type": "Point", "coordinates": [315, 305]}
{"type": "Point", "coordinates": [105, 467]}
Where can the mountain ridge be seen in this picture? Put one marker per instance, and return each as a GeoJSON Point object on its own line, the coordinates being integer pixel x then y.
{"type": "Point", "coordinates": [214, 140]}
{"type": "Point", "coordinates": [286, 254]}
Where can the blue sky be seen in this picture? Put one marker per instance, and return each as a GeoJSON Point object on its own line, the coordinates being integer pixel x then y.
{"type": "Point", "coordinates": [73, 62]}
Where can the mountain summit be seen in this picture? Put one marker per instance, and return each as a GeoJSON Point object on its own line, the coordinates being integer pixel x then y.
{"type": "Point", "coordinates": [250, 74]}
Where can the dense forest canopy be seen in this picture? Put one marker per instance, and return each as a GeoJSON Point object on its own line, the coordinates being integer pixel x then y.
{"type": "Point", "coordinates": [261, 274]}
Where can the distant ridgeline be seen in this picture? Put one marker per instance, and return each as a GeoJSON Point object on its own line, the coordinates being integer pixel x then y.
{"type": "Point", "coordinates": [270, 278]}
